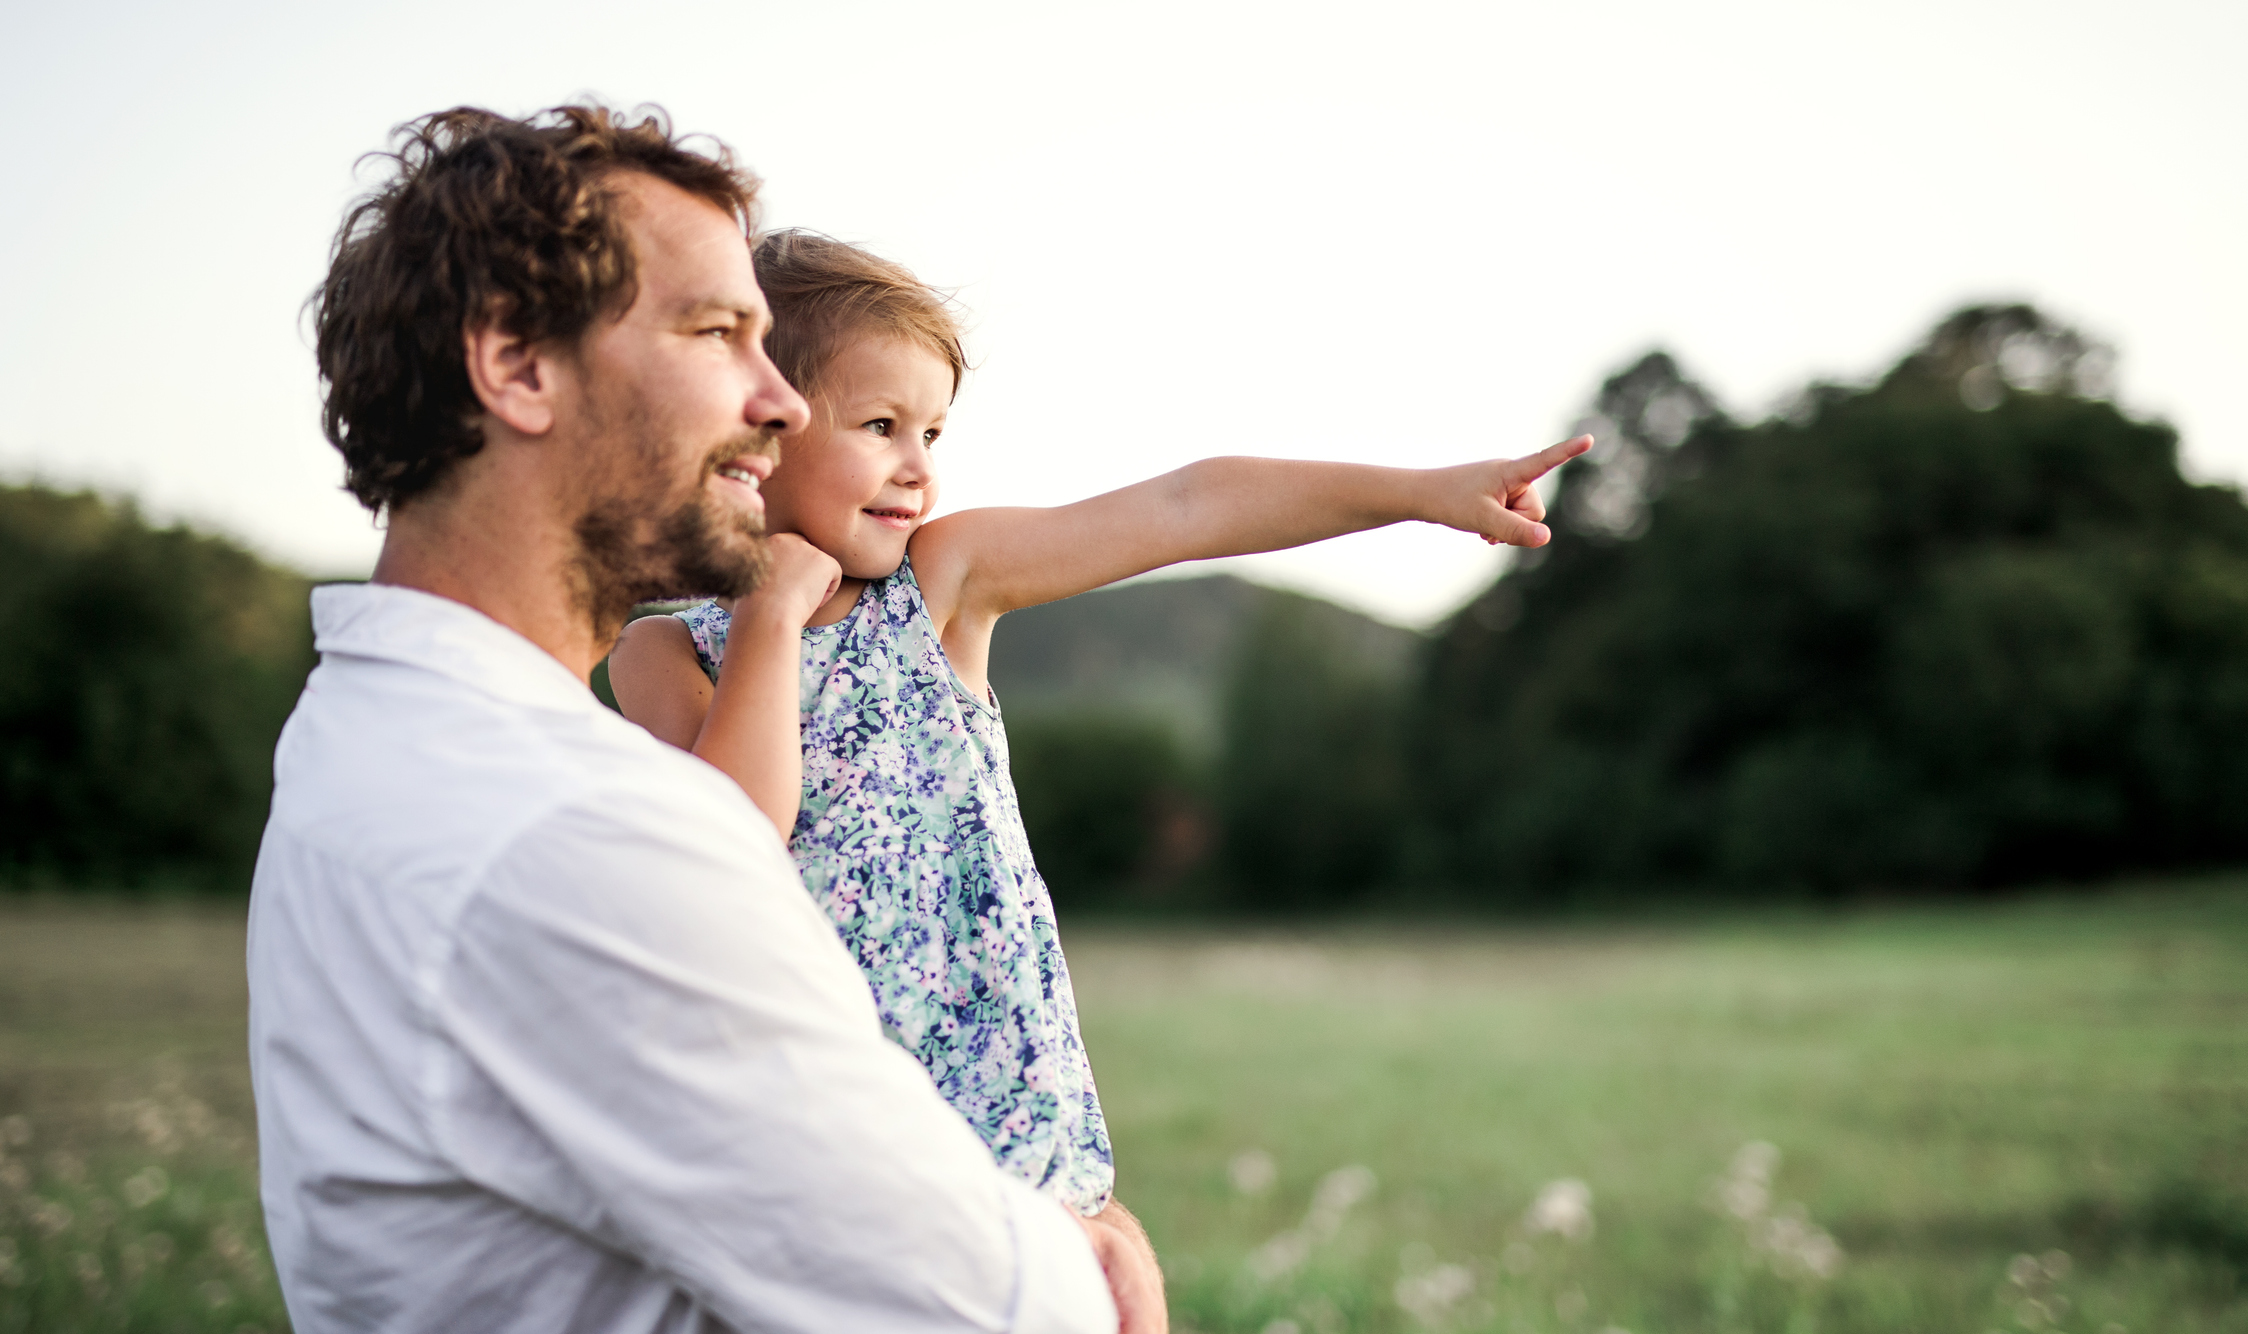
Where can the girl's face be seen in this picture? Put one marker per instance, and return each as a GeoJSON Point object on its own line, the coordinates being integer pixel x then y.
{"type": "Point", "coordinates": [860, 478]}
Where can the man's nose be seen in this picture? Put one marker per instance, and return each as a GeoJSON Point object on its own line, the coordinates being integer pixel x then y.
{"type": "Point", "coordinates": [775, 405]}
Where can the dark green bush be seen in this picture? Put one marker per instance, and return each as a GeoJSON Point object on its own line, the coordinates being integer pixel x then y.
{"type": "Point", "coordinates": [1310, 785]}
{"type": "Point", "coordinates": [1967, 626]}
{"type": "Point", "coordinates": [149, 671]}
{"type": "Point", "coordinates": [1110, 805]}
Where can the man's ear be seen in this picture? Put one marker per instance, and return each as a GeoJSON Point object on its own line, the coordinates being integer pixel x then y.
{"type": "Point", "coordinates": [514, 378]}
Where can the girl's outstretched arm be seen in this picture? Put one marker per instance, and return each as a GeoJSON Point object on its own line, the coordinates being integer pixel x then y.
{"type": "Point", "coordinates": [977, 565]}
{"type": "Point", "coordinates": [748, 725]}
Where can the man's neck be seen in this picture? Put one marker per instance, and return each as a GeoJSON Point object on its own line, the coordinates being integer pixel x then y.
{"type": "Point", "coordinates": [504, 554]}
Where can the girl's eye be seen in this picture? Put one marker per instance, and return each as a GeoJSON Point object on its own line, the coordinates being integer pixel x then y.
{"type": "Point", "coordinates": [930, 437]}
{"type": "Point", "coordinates": [880, 426]}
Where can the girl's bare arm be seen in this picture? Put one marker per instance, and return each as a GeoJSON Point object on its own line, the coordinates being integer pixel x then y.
{"type": "Point", "coordinates": [977, 565]}
{"type": "Point", "coordinates": [749, 725]}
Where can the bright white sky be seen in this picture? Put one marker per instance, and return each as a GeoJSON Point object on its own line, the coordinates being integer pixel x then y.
{"type": "Point", "coordinates": [1402, 233]}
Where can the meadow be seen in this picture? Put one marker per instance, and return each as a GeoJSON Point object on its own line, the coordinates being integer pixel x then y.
{"type": "Point", "coordinates": [2024, 1116]}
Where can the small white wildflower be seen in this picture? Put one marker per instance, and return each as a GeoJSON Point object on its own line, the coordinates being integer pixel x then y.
{"type": "Point", "coordinates": [2024, 1271]}
{"type": "Point", "coordinates": [51, 1216]}
{"type": "Point", "coordinates": [2056, 1264]}
{"type": "Point", "coordinates": [1797, 1245]}
{"type": "Point", "coordinates": [66, 1167]}
{"type": "Point", "coordinates": [1743, 1199]}
{"type": "Point", "coordinates": [1564, 1207]}
{"type": "Point", "coordinates": [1745, 1191]}
{"type": "Point", "coordinates": [1820, 1255]}
{"type": "Point", "coordinates": [229, 1246]}
{"type": "Point", "coordinates": [1756, 1160]}
{"type": "Point", "coordinates": [1519, 1257]}
{"type": "Point", "coordinates": [1252, 1171]}
{"type": "Point", "coordinates": [1342, 1188]}
{"type": "Point", "coordinates": [1279, 1255]}
{"type": "Point", "coordinates": [145, 1187]}
{"type": "Point", "coordinates": [1431, 1296]}
{"type": "Point", "coordinates": [1339, 1192]}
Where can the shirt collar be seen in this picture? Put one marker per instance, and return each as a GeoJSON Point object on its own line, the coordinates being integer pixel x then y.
{"type": "Point", "coordinates": [405, 625]}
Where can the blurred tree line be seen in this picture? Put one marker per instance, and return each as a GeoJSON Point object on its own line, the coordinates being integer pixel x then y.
{"type": "Point", "coordinates": [1966, 626]}
{"type": "Point", "coordinates": [148, 673]}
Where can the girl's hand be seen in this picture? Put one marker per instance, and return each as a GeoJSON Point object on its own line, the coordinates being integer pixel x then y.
{"type": "Point", "coordinates": [1496, 500]}
{"type": "Point", "coordinates": [800, 579]}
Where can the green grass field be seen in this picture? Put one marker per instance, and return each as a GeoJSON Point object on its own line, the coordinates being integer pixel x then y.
{"type": "Point", "coordinates": [2024, 1117]}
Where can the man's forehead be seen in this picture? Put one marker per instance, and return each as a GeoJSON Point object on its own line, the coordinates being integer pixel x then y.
{"type": "Point", "coordinates": [691, 254]}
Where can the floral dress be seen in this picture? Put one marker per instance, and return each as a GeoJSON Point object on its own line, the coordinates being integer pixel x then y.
{"type": "Point", "coordinates": [909, 837]}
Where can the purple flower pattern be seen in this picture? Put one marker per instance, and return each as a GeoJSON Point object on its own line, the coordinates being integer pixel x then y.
{"type": "Point", "coordinates": [909, 837]}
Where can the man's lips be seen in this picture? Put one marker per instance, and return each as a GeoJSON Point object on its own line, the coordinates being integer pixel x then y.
{"type": "Point", "coordinates": [743, 476]}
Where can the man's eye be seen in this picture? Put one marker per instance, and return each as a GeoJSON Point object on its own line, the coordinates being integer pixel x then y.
{"type": "Point", "coordinates": [880, 426]}
{"type": "Point", "coordinates": [722, 331]}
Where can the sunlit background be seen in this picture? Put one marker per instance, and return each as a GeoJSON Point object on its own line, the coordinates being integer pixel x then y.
{"type": "Point", "coordinates": [1806, 898]}
{"type": "Point", "coordinates": [1409, 233]}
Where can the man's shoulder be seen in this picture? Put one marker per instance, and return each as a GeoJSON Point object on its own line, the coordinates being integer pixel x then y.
{"type": "Point", "coordinates": [410, 774]}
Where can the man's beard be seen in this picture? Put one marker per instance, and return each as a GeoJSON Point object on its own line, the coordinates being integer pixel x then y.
{"type": "Point", "coordinates": [632, 549]}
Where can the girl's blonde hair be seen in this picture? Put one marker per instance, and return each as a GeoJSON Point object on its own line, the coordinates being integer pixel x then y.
{"type": "Point", "coordinates": [823, 292]}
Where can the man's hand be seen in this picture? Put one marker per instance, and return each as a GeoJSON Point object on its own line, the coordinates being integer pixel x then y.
{"type": "Point", "coordinates": [1497, 501]}
{"type": "Point", "coordinates": [801, 578]}
{"type": "Point", "coordinates": [1134, 1279]}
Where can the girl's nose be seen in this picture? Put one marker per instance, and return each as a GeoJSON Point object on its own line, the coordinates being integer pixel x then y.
{"type": "Point", "coordinates": [917, 467]}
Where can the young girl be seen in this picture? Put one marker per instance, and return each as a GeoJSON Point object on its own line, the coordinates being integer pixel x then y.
{"type": "Point", "coordinates": [847, 695]}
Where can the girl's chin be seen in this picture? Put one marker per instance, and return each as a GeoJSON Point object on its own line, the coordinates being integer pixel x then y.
{"type": "Point", "coordinates": [873, 555]}
{"type": "Point", "coordinates": [876, 565]}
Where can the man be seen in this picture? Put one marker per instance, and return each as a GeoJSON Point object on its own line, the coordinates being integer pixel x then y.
{"type": "Point", "coordinates": [544, 1032]}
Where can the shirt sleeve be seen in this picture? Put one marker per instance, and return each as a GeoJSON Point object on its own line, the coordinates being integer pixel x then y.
{"type": "Point", "coordinates": [651, 1035]}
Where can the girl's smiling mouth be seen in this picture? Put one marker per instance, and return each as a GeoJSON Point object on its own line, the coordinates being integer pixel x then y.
{"type": "Point", "coordinates": [892, 518]}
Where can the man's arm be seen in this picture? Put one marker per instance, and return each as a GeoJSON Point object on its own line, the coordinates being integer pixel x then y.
{"type": "Point", "coordinates": [664, 1046]}
{"type": "Point", "coordinates": [978, 565]}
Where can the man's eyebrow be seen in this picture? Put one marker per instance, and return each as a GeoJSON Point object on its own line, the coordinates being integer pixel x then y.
{"type": "Point", "coordinates": [711, 305]}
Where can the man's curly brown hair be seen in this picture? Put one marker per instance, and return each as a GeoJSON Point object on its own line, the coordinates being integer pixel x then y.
{"type": "Point", "coordinates": [484, 217]}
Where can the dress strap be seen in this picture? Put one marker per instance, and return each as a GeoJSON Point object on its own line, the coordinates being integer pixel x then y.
{"type": "Point", "coordinates": [707, 623]}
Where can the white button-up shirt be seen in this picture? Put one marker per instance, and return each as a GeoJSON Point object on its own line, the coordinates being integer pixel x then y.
{"type": "Point", "coordinates": [546, 1036]}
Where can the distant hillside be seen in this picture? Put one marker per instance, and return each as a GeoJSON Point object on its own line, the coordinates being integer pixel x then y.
{"type": "Point", "coordinates": [1162, 648]}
